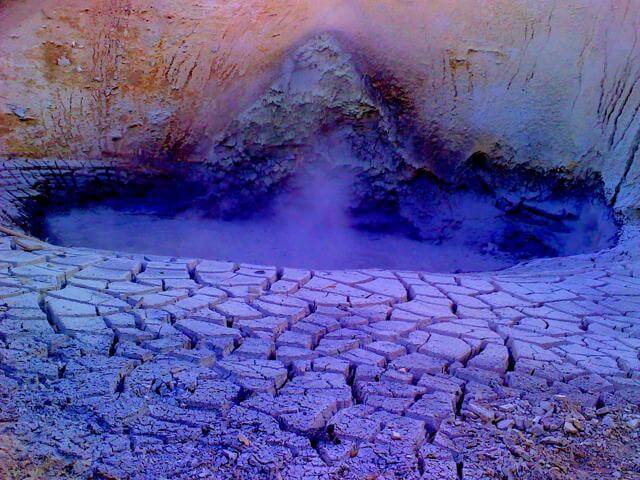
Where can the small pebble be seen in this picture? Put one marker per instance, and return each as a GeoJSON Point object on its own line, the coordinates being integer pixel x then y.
{"type": "Point", "coordinates": [570, 428]}
{"type": "Point", "coordinates": [505, 424]}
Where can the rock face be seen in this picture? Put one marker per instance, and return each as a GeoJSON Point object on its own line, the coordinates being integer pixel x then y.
{"type": "Point", "coordinates": [551, 84]}
{"type": "Point", "coordinates": [320, 108]}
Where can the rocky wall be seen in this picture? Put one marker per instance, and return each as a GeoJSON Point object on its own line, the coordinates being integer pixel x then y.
{"type": "Point", "coordinates": [548, 83]}
{"type": "Point", "coordinates": [25, 183]}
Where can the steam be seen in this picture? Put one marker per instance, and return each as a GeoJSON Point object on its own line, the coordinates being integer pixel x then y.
{"type": "Point", "coordinates": [314, 215]}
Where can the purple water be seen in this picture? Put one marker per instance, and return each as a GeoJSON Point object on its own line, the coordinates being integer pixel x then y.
{"type": "Point", "coordinates": [311, 224]}
{"type": "Point", "coordinates": [309, 240]}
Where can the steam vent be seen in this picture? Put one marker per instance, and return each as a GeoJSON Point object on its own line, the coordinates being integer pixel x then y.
{"type": "Point", "coordinates": [320, 239]}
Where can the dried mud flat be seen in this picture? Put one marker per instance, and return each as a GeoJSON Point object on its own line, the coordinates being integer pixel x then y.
{"type": "Point", "coordinates": [137, 366]}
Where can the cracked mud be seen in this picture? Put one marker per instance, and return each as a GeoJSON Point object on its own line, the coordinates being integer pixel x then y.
{"type": "Point", "coordinates": [141, 366]}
